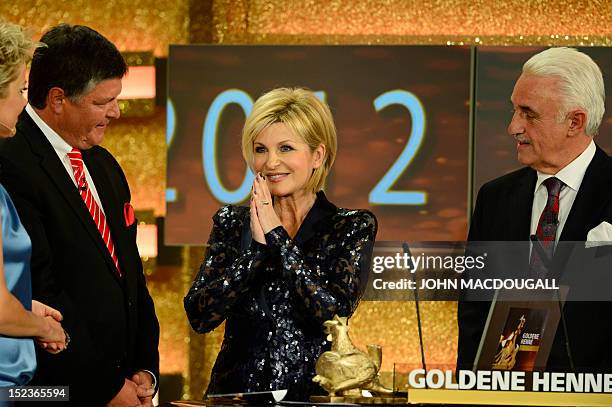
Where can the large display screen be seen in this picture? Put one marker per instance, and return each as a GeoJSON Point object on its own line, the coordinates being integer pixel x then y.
{"type": "Point", "coordinates": [401, 112]}
{"type": "Point", "coordinates": [403, 120]}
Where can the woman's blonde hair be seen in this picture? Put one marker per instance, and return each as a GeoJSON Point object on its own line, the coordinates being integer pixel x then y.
{"type": "Point", "coordinates": [16, 48]}
{"type": "Point", "coordinates": [305, 115]}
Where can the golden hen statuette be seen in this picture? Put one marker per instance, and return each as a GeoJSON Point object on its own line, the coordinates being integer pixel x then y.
{"type": "Point", "coordinates": [345, 370]}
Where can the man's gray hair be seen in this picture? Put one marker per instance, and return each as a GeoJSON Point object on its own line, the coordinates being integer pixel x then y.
{"type": "Point", "coordinates": [581, 82]}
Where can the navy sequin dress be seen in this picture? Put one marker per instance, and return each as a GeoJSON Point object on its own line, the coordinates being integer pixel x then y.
{"type": "Point", "coordinates": [275, 297]}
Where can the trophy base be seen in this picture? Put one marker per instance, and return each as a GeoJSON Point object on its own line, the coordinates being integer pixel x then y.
{"type": "Point", "coordinates": [389, 400]}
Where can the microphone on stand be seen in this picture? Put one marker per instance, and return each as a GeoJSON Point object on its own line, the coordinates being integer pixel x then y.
{"type": "Point", "coordinates": [537, 246]}
{"type": "Point", "coordinates": [546, 262]}
{"type": "Point", "coordinates": [406, 249]}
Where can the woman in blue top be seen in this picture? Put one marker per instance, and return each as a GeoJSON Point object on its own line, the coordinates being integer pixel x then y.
{"type": "Point", "coordinates": [22, 321]}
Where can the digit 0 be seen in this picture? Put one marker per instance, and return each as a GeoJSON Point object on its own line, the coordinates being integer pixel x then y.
{"type": "Point", "coordinates": [209, 142]}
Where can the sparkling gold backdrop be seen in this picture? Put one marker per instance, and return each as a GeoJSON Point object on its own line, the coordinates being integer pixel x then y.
{"type": "Point", "coordinates": [489, 22]}
{"type": "Point", "coordinates": [428, 18]}
{"type": "Point", "coordinates": [132, 25]}
{"type": "Point", "coordinates": [138, 144]}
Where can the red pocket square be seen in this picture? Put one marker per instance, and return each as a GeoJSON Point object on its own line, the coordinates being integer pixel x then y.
{"type": "Point", "coordinates": [128, 214]}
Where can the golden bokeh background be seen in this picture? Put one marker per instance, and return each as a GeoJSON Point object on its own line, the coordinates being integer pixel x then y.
{"type": "Point", "coordinates": [139, 143]}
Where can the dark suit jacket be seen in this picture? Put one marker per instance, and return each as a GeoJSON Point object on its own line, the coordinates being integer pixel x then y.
{"type": "Point", "coordinates": [111, 320]}
{"type": "Point", "coordinates": [503, 213]}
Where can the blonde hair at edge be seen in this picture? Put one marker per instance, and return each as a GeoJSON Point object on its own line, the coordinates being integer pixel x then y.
{"type": "Point", "coordinates": [305, 115]}
{"type": "Point", "coordinates": [16, 48]}
{"type": "Point", "coordinates": [581, 82]}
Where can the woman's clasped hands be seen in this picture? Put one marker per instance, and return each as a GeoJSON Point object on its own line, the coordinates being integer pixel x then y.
{"type": "Point", "coordinates": [263, 216]}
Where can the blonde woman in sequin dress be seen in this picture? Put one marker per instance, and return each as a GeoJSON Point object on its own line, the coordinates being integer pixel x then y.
{"type": "Point", "coordinates": [21, 319]}
{"type": "Point", "coordinates": [276, 270]}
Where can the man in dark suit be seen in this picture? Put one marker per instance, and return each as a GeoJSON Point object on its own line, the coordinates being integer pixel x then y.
{"type": "Point", "coordinates": [563, 194]}
{"type": "Point", "coordinates": [74, 201]}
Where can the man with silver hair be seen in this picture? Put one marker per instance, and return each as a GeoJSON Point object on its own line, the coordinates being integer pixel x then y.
{"type": "Point", "coordinates": [563, 194]}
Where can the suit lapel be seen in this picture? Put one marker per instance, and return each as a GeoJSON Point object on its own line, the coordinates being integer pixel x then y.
{"type": "Point", "coordinates": [56, 171]}
{"type": "Point", "coordinates": [320, 211]}
{"type": "Point", "coordinates": [593, 197]}
{"type": "Point", "coordinates": [519, 228]}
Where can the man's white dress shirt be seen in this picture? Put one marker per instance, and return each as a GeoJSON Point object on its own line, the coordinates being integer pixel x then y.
{"type": "Point", "coordinates": [571, 175]}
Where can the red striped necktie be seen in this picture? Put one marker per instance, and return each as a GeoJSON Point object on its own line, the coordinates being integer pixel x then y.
{"type": "Point", "coordinates": [76, 161]}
